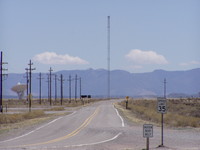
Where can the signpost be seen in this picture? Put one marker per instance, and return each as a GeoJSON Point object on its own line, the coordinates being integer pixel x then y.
{"type": "Point", "coordinates": [127, 97]}
{"type": "Point", "coordinates": [147, 133]}
{"type": "Point", "coordinates": [162, 108]}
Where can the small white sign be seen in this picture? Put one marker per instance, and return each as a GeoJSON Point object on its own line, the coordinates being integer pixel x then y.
{"type": "Point", "coordinates": [161, 105]}
{"type": "Point", "coordinates": [147, 130]}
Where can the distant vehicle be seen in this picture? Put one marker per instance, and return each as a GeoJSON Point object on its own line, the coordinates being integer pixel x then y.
{"type": "Point", "coordinates": [85, 96]}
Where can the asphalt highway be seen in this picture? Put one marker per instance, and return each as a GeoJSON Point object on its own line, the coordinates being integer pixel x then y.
{"type": "Point", "coordinates": [98, 126]}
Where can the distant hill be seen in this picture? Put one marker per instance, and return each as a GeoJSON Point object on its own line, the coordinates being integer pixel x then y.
{"type": "Point", "coordinates": [123, 83]}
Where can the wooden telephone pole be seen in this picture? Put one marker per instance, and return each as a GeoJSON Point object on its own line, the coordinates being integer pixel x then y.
{"type": "Point", "coordinates": [29, 70]}
{"type": "Point", "coordinates": [1, 81]}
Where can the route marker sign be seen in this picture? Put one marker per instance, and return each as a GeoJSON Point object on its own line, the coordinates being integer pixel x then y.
{"type": "Point", "coordinates": [147, 130]}
{"type": "Point", "coordinates": [161, 105]}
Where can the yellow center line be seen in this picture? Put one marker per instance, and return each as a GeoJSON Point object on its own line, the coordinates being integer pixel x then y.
{"type": "Point", "coordinates": [73, 133]}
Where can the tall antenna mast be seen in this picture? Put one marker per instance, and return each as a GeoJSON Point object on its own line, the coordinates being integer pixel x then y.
{"type": "Point", "coordinates": [108, 57]}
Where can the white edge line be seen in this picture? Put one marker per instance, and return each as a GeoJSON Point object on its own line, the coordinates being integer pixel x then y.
{"type": "Point", "coordinates": [35, 129]}
{"type": "Point", "coordinates": [90, 144]}
{"type": "Point", "coordinates": [120, 117]}
{"type": "Point", "coordinates": [31, 131]}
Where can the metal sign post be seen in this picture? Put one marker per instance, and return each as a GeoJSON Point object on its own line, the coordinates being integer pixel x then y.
{"type": "Point", "coordinates": [147, 133]}
{"type": "Point", "coordinates": [162, 108]}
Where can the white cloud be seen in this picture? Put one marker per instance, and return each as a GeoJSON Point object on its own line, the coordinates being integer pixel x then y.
{"type": "Point", "coordinates": [51, 58]}
{"type": "Point", "coordinates": [190, 63]}
{"type": "Point", "coordinates": [145, 57]}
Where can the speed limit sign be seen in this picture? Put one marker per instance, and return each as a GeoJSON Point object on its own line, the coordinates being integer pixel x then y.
{"type": "Point", "coordinates": [161, 105]}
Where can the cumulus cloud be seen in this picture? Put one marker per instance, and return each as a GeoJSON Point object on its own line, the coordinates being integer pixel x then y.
{"type": "Point", "coordinates": [145, 57]}
{"type": "Point", "coordinates": [190, 63]}
{"type": "Point", "coordinates": [51, 58]}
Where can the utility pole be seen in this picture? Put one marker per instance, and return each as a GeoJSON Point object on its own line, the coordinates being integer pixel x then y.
{"type": "Point", "coordinates": [30, 76]}
{"type": "Point", "coordinates": [76, 87]}
{"type": "Point", "coordinates": [56, 88]}
{"type": "Point", "coordinates": [48, 87]}
{"type": "Point", "coordinates": [50, 71]}
{"type": "Point", "coordinates": [1, 84]}
{"type": "Point", "coordinates": [40, 87]}
{"type": "Point", "coordinates": [70, 88]}
{"type": "Point", "coordinates": [27, 82]}
{"type": "Point", "coordinates": [108, 44]}
{"type": "Point", "coordinates": [80, 86]}
{"type": "Point", "coordinates": [61, 89]}
{"type": "Point", "coordinates": [1, 81]}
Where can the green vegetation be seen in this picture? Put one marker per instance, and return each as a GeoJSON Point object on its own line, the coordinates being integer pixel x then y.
{"type": "Point", "coordinates": [180, 113]}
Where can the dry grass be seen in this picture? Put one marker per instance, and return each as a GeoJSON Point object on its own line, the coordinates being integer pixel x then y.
{"type": "Point", "coordinates": [18, 121]}
{"type": "Point", "coordinates": [22, 121]}
{"type": "Point", "coordinates": [13, 118]}
{"type": "Point", "coordinates": [17, 117]}
{"type": "Point", "coordinates": [22, 125]}
{"type": "Point", "coordinates": [15, 103]}
{"type": "Point", "coordinates": [181, 112]}
{"type": "Point", "coordinates": [55, 109]}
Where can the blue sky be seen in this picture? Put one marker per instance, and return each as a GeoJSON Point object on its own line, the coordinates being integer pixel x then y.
{"type": "Point", "coordinates": [72, 34]}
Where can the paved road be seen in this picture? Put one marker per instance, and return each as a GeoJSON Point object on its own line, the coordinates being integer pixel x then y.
{"type": "Point", "coordinates": [98, 126]}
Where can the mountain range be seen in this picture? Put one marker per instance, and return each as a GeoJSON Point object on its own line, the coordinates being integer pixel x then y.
{"type": "Point", "coordinates": [122, 83]}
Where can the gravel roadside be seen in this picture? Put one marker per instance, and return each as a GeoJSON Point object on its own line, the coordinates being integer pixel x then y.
{"type": "Point", "coordinates": [174, 138]}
